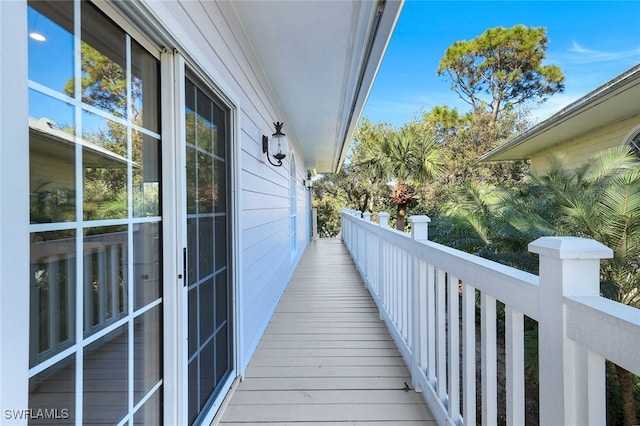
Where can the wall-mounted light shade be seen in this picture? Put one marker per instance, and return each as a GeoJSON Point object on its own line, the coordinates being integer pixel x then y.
{"type": "Point", "coordinates": [276, 146]}
{"type": "Point", "coordinates": [307, 183]}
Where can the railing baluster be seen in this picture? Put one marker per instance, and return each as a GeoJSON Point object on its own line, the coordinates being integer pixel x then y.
{"type": "Point", "coordinates": [514, 348]}
{"type": "Point", "coordinates": [469, 354]}
{"type": "Point", "coordinates": [431, 324]}
{"type": "Point", "coordinates": [441, 336]}
{"type": "Point", "coordinates": [453, 300]}
{"type": "Point", "coordinates": [489, 360]}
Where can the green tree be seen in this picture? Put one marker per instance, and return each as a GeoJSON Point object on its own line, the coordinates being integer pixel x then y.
{"type": "Point", "coordinates": [408, 158]}
{"type": "Point", "coordinates": [501, 69]}
{"type": "Point", "coordinates": [598, 200]}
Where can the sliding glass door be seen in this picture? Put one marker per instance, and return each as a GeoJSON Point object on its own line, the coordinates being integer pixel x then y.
{"type": "Point", "coordinates": [95, 220]}
{"type": "Point", "coordinates": [209, 293]}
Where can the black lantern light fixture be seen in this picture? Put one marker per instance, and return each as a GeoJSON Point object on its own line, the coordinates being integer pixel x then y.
{"type": "Point", "coordinates": [276, 146]}
{"type": "Point", "coordinates": [307, 183]}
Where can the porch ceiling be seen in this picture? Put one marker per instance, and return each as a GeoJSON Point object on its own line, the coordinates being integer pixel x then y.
{"type": "Point", "coordinates": [320, 58]}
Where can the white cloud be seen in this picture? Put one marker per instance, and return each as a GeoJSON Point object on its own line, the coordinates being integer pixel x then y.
{"type": "Point", "coordinates": [582, 55]}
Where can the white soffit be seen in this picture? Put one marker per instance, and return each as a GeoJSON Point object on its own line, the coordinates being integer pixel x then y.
{"type": "Point", "coordinates": [320, 58]}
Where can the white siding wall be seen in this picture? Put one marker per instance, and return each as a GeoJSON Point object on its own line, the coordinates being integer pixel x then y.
{"type": "Point", "coordinates": [212, 39]}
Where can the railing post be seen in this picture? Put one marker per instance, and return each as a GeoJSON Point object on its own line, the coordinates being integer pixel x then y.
{"type": "Point", "coordinates": [383, 222]}
{"type": "Point", "coordinates": [571, 379]}
{"type": "Point", "coordinates": [419, 233]}
{"type": "Point", "coordinates": [383, 219]}
{"type": "Point", "coordinates": [314, 223]}
{"type": "Point", "coordinates": [367, 216]}
{"type": "Point", "coordinates": [419, 227]}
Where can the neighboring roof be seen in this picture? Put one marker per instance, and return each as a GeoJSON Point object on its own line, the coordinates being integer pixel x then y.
{"type": "Point", "coordinates": [613, 101]}
{"type": "Point", "coordinates": [321, 58]}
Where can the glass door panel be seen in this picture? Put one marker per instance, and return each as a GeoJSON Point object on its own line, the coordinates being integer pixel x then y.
{"type": "Point", "coordinates": [209, 292]}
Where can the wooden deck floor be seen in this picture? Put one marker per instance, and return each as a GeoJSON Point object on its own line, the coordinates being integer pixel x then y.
{"type": "Point", "coordinates": [326, 358]}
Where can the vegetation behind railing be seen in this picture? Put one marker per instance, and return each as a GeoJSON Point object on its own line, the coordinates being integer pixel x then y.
{"type": "Point", "coordinates": [428, 296]}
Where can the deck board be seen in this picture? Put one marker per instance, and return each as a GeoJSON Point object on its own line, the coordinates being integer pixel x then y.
{"type": "Point", "coordinates": [326, 358]}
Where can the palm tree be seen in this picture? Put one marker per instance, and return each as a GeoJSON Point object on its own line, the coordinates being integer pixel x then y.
{"type": "Point", "coordinates": [408, 158]}
{"type": "Point", "coordinates": [599, 200]}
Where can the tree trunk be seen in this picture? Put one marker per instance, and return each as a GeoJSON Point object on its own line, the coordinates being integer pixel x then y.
{"type": "Point", "coordinates": [626, 393]}
{"type": "Point", "coordinates": [402, 212]}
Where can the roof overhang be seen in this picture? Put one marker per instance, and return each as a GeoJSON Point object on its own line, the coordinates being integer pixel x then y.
{"type": "Point", "coordinates": [320, 58]}
{"type": "Point", "coordinates": [609, 103]}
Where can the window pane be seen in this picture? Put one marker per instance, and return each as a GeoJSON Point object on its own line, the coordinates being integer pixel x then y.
{"type": "Point", "coordinates": [103, 52]}
{"type": "Point", "coordinates": [104, 159]}
{"type": "Point", "coordinates": [205, 183]}
{"type": "Point", "coordinates": [51, 44]}
{"type": "Point", "coordinates": [205, 247]}
{"type": "Point", "coordinates": [192, 190]}
{"type": "Point", "coordinates": [145, 102]}
{"type": "Point", "coordinates": [53, 391]}
{"type": "Point", "coordinates": [105, 257]}
{"type": "Point", "coordinates": [51, 160]}
{"type": "Point", "coordinates": [220, 186]}
{"type": "Point", "coordinates": [146, 260]}
{"type": "Point", "coordinates": [205, 128]}
{"type": "Point", "coordinates": [151, 412]}
{"type": "Point", "coordinates": [146, 175]}
{"type": "Point", "coordinates": [53, 273]}
{"type": "Point", "coordinates": [147, 362]}
{"type": "Point", "coordinates": [206, 305]}
{"type": "Point", "coordinates": [220, 138]}
{"type": "Point", "coordinates": [105, 371]}
{"type": "Point", "coordinates": [221, 242]}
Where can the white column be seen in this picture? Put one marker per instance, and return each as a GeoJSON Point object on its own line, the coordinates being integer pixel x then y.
{"type": "Point", "coordinates": [569, 266]}
{"type": "Point", "coordinates": [14, 210]}
{"type": "Point", "coordinates": [367, 216]}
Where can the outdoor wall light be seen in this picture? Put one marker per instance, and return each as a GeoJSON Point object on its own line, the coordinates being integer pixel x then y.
{"type": "Point", "coordinates": [276, 146]}
{"type": "Point", "coordinates": [307, 183]}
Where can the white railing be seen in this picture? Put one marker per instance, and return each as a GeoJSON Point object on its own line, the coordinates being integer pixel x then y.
{"type": "Point", "coordinates": [426, 294]}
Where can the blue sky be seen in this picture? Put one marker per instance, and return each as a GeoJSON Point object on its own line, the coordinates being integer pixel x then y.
{"type": "Point", "coordinates": [591, 41]}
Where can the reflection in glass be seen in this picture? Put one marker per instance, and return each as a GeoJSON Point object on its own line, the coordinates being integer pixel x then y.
{"type": "Point", "coordinates": [192, 190]}
{"type": "Point", "coordinates": [145, 91]}
{"type": "Point", "coordinates": [51, 59]}
{"type": "Point", "coordinates": [104, 160]}
{"type": "Point", "coordinates": [147, 362]}
{"type": "Point", "coordinates": [105, 373]}
{"type": "Point", "coordinates": [103, 55]}
{"type": "Point", "coordinates": [151, 412]}
{"type": "Point", "coordinates": [53, 390]}
{"type": "Point", "coordinates": [51, 160]}
{"type": "Point", "coordinates": [53, 273]}
{"type": "Point", "coordinates": [221, 242]}
{"type": "Point", "coordinates": [105, 292]}
{"type": "Point", "coordinates": [220, 186]}
{"type": "Point", "coordinates": [205, 183]}
{"type": "Point", "coordinates": [147, 252]}
{"type": "Point", "coordinates": [146, 175]}
{"type": "Point", "coordinates": [205, 128]}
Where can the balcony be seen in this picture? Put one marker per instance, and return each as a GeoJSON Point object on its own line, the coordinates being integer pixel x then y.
{"type": "Point", "coordinates": [326, 356]}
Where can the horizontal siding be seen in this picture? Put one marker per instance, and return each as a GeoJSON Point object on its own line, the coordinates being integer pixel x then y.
{"type": "Point", "coordinates": [578, 150]}
{"type": "Point", "coordinates": [209, 33]}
